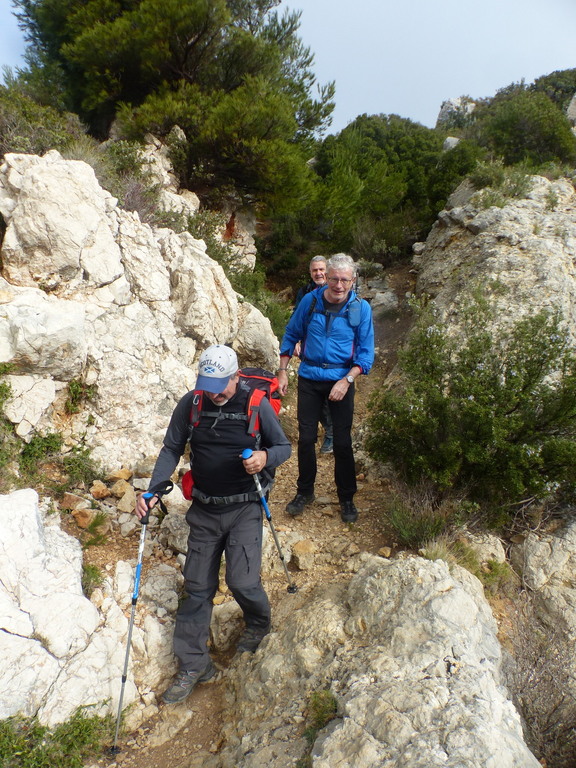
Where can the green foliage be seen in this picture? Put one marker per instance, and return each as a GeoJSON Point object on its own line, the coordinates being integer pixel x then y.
{"type": "Point", "coordinates": [322, 707]}
{"type": "Point", "coordinates": [492, 414]}
{"type": "Point", "coordinates": [40, 449]}
{"type": "Point", "coordinates": [92, 577]}
{"type": "Point", "coordinates": [78, 393]}
{"type": "Point", "coordinates": [497, 577]}
{"type": "Point", "coordinates": [380, 184]}
{"type": "Point", "coordinates": [26, 126]}
{"type": "Point", "coordinates": [252, 286]}
{"type": "Point", "coordinates": [416, 516]}
{"type": "Point", "coordinates": [520, 125]}
{"type": "Point", "coordinates": [233, 75]}
{"type": "Point", "coordinates": [24, 743]}
{"type": "Point", "coordinates": [510, 182]}
{"type": "Point", "coordinates": [239, 144]}
{"type": "Point", "coordinates": [8, 440]}
{"type": "Point", "coordinates": [94, 530]}
{"type": "Point", "coordinates": [79, 466]}
{"type": "Point", "coordinates": [559, 86]}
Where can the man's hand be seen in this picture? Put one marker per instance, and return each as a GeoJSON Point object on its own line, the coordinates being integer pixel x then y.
{"type": "Point", "coordinates": [338, 391]}
{"type": "Point", "coordinates": [282, 382]}
{"type": "Point", "coordinates": [256, 462]}
{"type": "Point", "coordinates": [144, 505]}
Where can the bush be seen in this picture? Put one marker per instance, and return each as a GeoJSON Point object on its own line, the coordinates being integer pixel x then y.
{"type": "Point", "coordinates": [491, 414]}
{"type": "Point", "coordinates": [24, 743]}
{"type": "Point", "coordinates": [26, 126]}
{"type": "Point", "coordinates": [416, 515]}
{"type": "Point", "coordinates": [540, 688]}
{"type": "Point", "coordinates": [525, 126]}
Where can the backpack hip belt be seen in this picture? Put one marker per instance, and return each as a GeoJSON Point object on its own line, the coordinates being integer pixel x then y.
{"type": "Point", "coordinates": [221, 501]}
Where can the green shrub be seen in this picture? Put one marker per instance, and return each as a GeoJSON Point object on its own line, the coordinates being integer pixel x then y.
{"type": "Point", "coordinates": [492, 414]}
{"type": "Point", "coordinates": [26, 126]}
{"type": "Point", "coordinates": [40, 449]}
{"type": "Point", "coordinates": [91, 578]}
{"type": "Point", "coordinates": [78, 392]}
{"type": "Point", "coordinates": [520, 125]}
{"type": "Point", "coordinates": [94, 530]}
{"type": "Point", "coordinates": [416, 515]}
{"type": "Point", "coordinates": [79, 466]}
{"type": "Point", "coordinates": [508, 182]}
{"type": "Point", "coordinates": [24, 743]}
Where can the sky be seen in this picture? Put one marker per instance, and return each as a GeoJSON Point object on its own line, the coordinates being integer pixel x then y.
{"type": "Point", "coordinates": [406, 57]}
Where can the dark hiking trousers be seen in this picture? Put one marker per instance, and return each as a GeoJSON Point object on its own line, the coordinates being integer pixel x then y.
{"type": "Point", "coordinates": [311, 397]}
{"type": "Point", "coordinates": [237, 534]}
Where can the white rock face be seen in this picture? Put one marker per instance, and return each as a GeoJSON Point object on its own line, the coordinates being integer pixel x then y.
{"type": "Point", "coordinates": [90, 293]}
{"type": "Point", "coordinates": [58, 649]}
{"type": "Point", "coordinates": [409, 651]}
{"type": "Point", "coordinates": [523, 255]}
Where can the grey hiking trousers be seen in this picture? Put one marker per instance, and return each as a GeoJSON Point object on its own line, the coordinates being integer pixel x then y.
{"type": "Point", "coordinates": [238, 535]}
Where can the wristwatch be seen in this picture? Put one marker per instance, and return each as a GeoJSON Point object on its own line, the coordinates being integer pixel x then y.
{"type": "Point", "coordinates": [350, 379]}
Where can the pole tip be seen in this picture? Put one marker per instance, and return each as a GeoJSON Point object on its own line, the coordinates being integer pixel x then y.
{"type": "Point", "coordinates": [292, 588]}
{"type": "Point", "coordinates": [114, 750]}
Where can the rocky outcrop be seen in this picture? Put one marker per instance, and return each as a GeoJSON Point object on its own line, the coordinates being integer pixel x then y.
{"type": "Point", "coordinates": [523, 254]}
{"type": "Point", "coordinates": [60, 650]}
{"type": "Point", "coordinates": [407, 648]}
{"type": "Point", "coordinates": [88, 292]}
{"type": "Point", "coordinates": [409, 653]}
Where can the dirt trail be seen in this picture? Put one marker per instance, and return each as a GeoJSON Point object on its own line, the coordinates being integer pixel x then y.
{"type": "Point", "coordinates": [177, 733]}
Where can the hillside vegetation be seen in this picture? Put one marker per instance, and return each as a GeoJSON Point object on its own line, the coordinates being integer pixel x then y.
{"type": "Point", "coordinates": [237, 79]}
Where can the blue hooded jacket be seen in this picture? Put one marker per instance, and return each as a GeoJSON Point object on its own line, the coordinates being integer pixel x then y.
{"type": "Point", "coordinates": [330, 343]}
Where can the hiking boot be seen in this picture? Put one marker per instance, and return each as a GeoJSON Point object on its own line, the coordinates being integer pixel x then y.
{"type": "Point", "coordinates": [251, 639]}
{"type": "Point", "coordinates": [185, 681]}
{"type": "Point", "coordinates": [348, 512]}
{"type": "Point", "coordinates": [327, 445]}
{"type": "Point", "coordinates": [296, 506]}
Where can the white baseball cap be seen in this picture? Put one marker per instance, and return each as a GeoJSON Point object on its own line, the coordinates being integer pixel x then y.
{"type": "Point", "coordinates": [216, 366]}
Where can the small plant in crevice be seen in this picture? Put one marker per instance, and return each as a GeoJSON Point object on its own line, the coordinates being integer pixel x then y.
{"type": "Point", "coordinates": [92, 577]}
{"type": "Point", "coordinates": [322, 707]}
{"type": "Point", "coordinates": [497, 577]}
{"type": "Point", "coordinates": [95, 530]}
{"type": "Point", "coordinates": [78, 393]}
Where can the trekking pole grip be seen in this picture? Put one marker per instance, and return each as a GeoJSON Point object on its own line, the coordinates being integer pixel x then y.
{"type": "Point", "coordinates": [246, 453]}
{"type": "Point", "coordinates": [147, 497]}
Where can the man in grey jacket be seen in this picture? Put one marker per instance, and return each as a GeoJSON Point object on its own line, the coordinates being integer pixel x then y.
{"type": "Point", "coordinates": [225, 516]}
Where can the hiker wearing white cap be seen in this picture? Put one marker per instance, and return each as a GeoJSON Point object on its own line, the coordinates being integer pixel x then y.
{"type": "Point", "coordinates": [225, 516]}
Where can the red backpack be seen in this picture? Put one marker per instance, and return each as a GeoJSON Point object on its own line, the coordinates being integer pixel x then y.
{"type": "Point", "coordinates": [262, 384]}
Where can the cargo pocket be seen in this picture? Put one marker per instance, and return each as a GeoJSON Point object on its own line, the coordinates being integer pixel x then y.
{"type": "Point", "coordinates": [243, 562]}
{"type": "Point", "coordinates": [199, 570]}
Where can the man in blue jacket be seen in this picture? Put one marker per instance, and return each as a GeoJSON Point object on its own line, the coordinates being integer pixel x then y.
{"type": "Point", "coordinates": [337, 335]}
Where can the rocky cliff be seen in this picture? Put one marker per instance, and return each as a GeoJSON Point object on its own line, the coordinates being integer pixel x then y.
{"type": "Point", "coordinates": [90, 293]}
{"type": "Point", "coordinates": [408, 648]}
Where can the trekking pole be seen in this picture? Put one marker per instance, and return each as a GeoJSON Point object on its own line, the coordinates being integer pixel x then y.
{"type": "Point", "coordinates": [114, 749]}
{"type": "Point", "coordinates": [246, 453]}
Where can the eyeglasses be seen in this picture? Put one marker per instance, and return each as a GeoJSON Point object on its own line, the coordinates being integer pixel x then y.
{"type": "Point", "coordinates": [343, 280]}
